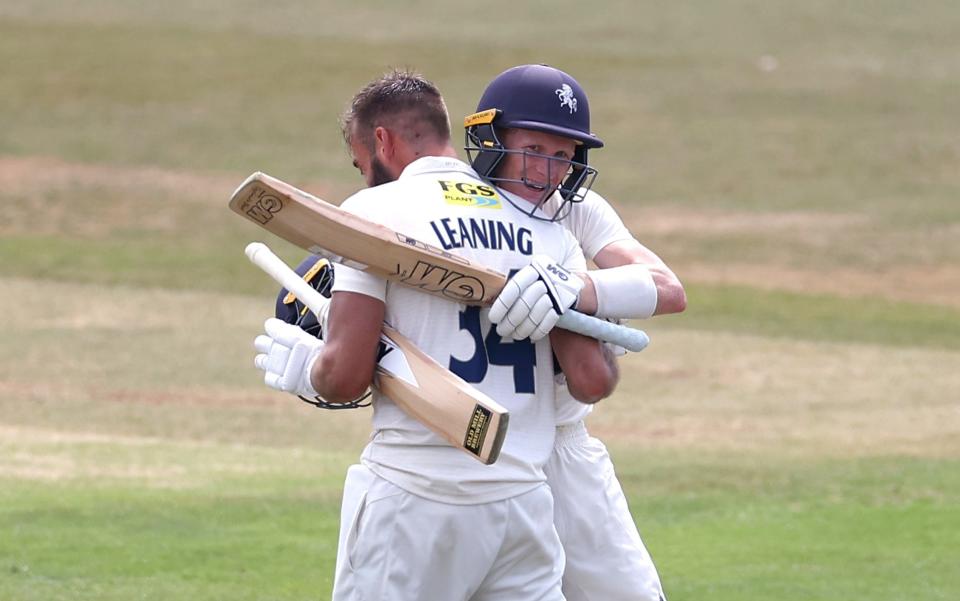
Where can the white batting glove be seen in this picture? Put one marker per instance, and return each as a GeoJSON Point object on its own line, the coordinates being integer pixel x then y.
{"type": "Point", "coordinates": [286, 355]}
{"type": "Point", "coordinates": [534, 299]}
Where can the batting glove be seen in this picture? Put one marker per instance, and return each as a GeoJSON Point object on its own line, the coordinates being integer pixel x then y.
{"type": "Point", "coordinates": [534, 299]}
{"type": "Point", "coordinates": [286, 356]}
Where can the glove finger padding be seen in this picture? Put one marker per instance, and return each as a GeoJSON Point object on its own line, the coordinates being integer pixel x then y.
{"type": "Point", "coordinates": [263, 343]}
{"type": "Point", "coordinates": [511, 292]}
{"type": "Point", "coordinates": [542, 319]}
{"type": "Point", "coordinates": [546, 324]}
{"type": "Point", "coordinates": [278, 359]}
{"type": "Point", "coordinates": [296, 371]}
{"type": "Point", "coordinates": [272, 380]}
{"type": "Point", "coordinates": [273, 354]}
{"type": "Point", "coordinates": [529, 311]}
{"type": "Point", "coordinates": [287, 354]}
{"type": "Point", "coordinates": [520, 309]}
{"type": "Point", "coordinates": [285, 333]}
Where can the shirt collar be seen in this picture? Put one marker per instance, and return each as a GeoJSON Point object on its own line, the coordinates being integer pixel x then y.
{"type": "Point", "coordinates": [425, 165]}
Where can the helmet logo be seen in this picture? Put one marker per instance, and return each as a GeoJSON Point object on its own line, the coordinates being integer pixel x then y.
{"type": "Point", "coordinates": [565, 94]}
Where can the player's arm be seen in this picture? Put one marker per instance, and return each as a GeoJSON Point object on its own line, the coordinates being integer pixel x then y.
{"type": "Point", "coordinates": [590, 368]}
{"type": "Point", "coordinates": [344, 369]}
{"type": "Point", "coordinates": [671, 298]}
{"type": "Point", "coordinates": [632, 283]}
{"type": "Point", "coordinates": [338, 369]}
{"type": "Point", "coordinates": [355, 317]}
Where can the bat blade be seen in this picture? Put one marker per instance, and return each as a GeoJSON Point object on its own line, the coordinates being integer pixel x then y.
{"type": "Point", "coordinates": [318, 226]}
{"type": "Point", "coordinates": [322, 228]}
{"type": "Point", "coordinates": [449, 406]}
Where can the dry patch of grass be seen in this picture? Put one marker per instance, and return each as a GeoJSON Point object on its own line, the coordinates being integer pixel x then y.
{"type": "Point", "coordinates": [666, 221]}
{"type": "Point", "coordinates": [50, 196]}
{"type": "Point", "coordinates": [937, 285]}
{"type": "Point", "coordinates": [55, 455]}
{"type": "Point", "coordinates": [725, 392]}
{"type": "Point", "coordinates": [847, 254]}
{"type": "Point", "coordinates": [184, 358]}
{"type": "Point", "coordinates": [36, 391]}
{"type": "Point", "coordinates": [36, 177]}
{"type": "Point", "coordinates": [93, 307]}
{"type": "Point", "coordinates": [127, 338]}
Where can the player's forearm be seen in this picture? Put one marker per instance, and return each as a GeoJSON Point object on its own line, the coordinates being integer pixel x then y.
{"type": "Point", "coordinates": [345, 368]}
{"type": "Point", "coordinates": [634, 291]}
{"type": "Point", "coordinates": [339, 378]}
{"type": "Point", "coordinates": [590, 369]}
{"type": "Point", "coordinates": [636, 280]}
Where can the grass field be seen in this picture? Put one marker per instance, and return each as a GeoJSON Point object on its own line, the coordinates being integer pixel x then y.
{"type": "Point", "coordinates": [795, 435]}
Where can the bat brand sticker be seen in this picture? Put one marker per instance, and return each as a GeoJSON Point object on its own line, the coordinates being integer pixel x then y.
{"type": "Point", "coordinates": [477, 429]}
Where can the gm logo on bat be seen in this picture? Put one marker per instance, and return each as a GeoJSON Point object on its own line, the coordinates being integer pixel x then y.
{"type": "Point", "coordinates": [261, 206]}
{"type": "Point", "coordinates": [438, 279]}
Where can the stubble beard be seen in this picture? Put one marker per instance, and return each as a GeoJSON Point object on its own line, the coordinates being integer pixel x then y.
{"type": "Point", "coordinates": [379, 173]}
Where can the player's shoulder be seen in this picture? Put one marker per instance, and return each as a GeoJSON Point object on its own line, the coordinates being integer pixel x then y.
{"type": "Point", "coordinates": [593, 209]}
{"type": "Point", "coordinates": [363, 197]}
{"type": "Point", "coordinates": [376, 203]}
{"type": "Point", "coordinates": [592, 199]}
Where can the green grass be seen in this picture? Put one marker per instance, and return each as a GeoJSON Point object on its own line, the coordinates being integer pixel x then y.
{"type": "Point", "coordinates": [686, 113]}
{"type": "Point", "coordinates": [121, 543]}
{"type": "Point", "coordinates": [817, 317]}
{"type": "Point", "coordinates": [822, 530]}
{"type": "Point", "coordinates": [793, 435]}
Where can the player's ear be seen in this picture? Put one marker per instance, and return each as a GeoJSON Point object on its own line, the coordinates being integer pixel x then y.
{"type": "Point", "coordinates": [385, 143]}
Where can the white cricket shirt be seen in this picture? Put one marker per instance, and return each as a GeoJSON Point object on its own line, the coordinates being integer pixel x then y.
{"type": "Point", "coordinates": [442, 201]}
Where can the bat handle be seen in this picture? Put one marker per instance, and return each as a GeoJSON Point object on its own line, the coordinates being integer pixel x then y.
{"type": "Point", "coordinates": [629, 338]}
{"type": "Point", "coordinates": [261, 256]}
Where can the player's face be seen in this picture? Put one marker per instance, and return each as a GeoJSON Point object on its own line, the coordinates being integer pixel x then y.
{"type": "Point", "coordinates": [535, 167]}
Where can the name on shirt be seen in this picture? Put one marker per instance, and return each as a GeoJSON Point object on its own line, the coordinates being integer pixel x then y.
{"type": "Point", "coordinates": [457, 232]}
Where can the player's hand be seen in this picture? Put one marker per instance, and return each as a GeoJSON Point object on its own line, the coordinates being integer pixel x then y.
{"type": "Point", "coordinates": [534, 299]}
{"type": "Point", "coordinates": [286, 355]}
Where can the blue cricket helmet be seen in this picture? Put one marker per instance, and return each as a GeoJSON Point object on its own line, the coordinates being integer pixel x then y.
{"type": "Point", "coordinates": [541, 98]}
{"type": "Point", "coordinates": [538, 98]}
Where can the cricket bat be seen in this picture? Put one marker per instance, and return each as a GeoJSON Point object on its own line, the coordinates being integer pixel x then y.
{"type": "Point", "coordinates": [322, 228]}
{"type": "Point", "coordinates": [438, 398]}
